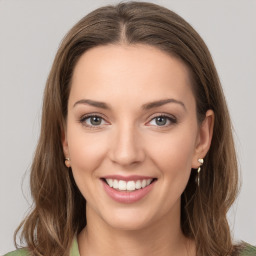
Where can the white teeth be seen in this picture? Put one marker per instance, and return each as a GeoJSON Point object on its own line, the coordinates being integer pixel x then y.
{"type": "Point", "coordinates": [144, 183]}
{"type": "Point", "coordinates": [110, 182]}
{"type": "Point", "coordinates": [138, 184]}
{"type": "Point", "coordinates": [122, 185]}
{"type": "Point", "coordinates": [115, 184]}
{"type": "Point", "coordinates": [128, 185]}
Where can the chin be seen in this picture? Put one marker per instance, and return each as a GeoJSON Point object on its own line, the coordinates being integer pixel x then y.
{"type": "Point", "coordinates": [128, 224]}
{"type": "Point", "coordinates": [129, 219]}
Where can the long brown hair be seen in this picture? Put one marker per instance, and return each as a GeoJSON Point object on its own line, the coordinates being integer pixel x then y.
{"type": "Point", "coordinates": [59, 208]}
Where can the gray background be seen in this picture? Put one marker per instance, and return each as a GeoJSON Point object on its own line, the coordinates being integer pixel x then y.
{"type": "Point", "coordinates": [30, 33]}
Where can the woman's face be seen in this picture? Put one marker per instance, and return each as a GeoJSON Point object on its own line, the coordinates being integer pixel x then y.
{"type": "Point", "coordinates": [132, 135]}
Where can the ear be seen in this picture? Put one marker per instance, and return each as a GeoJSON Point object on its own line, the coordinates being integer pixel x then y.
{"type": "Point", "coordinates": [65, 143]}
{"type": "Point", "coordinates": [204, 138]}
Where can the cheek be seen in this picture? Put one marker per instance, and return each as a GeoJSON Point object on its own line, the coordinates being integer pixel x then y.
{"type": "Point", "coordinates": [173, 158]}
{"type": "Point", "coordinates": [86, 150]}
{"type": "Point", "coordinates": [173, 152]}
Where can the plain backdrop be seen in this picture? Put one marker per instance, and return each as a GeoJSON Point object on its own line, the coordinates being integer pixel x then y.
{"type": "Point", "coordinates": [30, 33]}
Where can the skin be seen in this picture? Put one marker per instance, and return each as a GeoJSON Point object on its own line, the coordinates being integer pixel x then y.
{"type": "Point", "coordinates": [129, 141]}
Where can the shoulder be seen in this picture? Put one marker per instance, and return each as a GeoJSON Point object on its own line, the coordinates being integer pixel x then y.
{"type": "Point", "coordinates": [19, 252]}
{"type": "Point", "coordinates": [74, 251]}
{"type": "Point", "coordinates": [248, 250]}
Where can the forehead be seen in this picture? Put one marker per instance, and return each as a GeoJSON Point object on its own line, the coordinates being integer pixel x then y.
{"type": "Point", "coordinates": [129, 71]}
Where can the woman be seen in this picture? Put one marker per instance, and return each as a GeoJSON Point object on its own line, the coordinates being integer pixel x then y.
{"type": "Point", "coordinates": [133, 110]}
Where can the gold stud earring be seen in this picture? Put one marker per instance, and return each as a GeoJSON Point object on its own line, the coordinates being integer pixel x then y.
{"type": "Point", "coordinates": [67, 162]}
{"type": "Point", "coordinates": [201, 161]}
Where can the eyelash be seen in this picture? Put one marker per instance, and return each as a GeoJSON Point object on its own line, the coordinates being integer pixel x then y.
{"type": "Point", "coordinates": [172, 120]}
{"type": "Point", "coordinates": [84, 118]}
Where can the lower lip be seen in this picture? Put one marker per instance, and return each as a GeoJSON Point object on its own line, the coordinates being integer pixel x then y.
{"type": "Point", "coordinates": [127, 197]}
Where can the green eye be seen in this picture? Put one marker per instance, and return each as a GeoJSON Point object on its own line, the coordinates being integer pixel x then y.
{"type": "Point", "coordinates": [160, 120]}
{"type": "Point", "coordinates": [163, 120]}
{"type": "Point", "coordinates": [94, 120]}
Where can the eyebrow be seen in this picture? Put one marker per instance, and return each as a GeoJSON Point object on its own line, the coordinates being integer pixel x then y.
{"type": "Point", "coordinates": [160, 103]}
{"type": "Point", "coordinates": [146, 106]}
{"type": "Point", "coordinates": [93, 103]}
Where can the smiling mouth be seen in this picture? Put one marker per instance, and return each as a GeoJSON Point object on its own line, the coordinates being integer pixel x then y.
{"type": "Point", "coordinates": [131, 185]}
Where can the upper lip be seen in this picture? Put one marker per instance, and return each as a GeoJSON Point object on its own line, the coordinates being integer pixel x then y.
{"type": "Point", "coordinates": [127, 178]}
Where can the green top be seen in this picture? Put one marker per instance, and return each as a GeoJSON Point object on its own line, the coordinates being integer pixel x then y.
{"type": "Point", "coordinates": [23, 252]}
{"type": "Point", "coordinates": [249, 250]}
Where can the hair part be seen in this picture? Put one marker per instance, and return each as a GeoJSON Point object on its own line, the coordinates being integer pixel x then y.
{"type": "Point", "coordinates": [59, 208]}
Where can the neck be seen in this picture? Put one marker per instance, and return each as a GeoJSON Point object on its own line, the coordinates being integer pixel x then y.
{"type": "Point", "coordinates": [162, 238]}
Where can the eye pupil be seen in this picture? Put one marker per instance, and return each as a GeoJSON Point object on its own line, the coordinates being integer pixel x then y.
{"type": "Point", "coordinates": [161, 120]}
{"type": "Point", "coordinates": [95, 120]}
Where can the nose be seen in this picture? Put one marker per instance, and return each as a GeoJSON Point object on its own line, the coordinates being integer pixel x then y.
{"type": "Point", "coordinates": [126, 147]}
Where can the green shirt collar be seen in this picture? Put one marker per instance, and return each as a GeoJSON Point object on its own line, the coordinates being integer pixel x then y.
{"type": "Point", "coordinates": [74, 251]}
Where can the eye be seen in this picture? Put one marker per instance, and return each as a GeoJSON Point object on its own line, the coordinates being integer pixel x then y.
{"type": "Point", "coordinates": [93, 121]}
{"type": "Point", "coordinates": [163, 120]}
